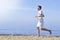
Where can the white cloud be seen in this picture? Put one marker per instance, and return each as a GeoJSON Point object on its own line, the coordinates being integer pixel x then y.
{"type": "Point", "coordinates": [7, 5]}
{"type": "Point", "coordinates": [3, 3]}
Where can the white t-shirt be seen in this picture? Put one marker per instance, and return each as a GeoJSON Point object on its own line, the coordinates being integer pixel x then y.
{"type": "Point", "coordinates": [40, 20]}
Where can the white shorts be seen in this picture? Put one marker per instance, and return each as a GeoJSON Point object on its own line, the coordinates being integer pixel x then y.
{"type": "Point", "coordinates": [40, 25]}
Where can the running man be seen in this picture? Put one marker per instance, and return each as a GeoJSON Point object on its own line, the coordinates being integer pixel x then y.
{"type": "Point", "coordinates": [40, 23]}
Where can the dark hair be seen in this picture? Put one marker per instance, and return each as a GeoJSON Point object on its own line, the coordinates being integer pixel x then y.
{"type": "Point", "coordinates": [39, 6]}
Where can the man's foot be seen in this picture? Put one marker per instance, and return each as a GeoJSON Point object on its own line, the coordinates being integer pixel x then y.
{"type": "Point", "coordinates": [50, 31]}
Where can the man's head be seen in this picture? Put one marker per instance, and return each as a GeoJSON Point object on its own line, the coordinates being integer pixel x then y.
{"type": "Point", "coordinates": [39, 7]}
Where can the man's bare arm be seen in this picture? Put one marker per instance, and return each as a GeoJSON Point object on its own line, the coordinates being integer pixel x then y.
{"type": "Point", "coordinates": [37, 16]}
{"type": "Point", "coordinates": [41, 15]}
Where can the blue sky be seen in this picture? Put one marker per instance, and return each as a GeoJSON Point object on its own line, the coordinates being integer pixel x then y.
{"type": "Point", "coordinates": [19, 14]}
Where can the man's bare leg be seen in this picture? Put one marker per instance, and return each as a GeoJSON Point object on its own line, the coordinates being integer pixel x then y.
{"type": "Point", "coordinates": [46, 30]}
{"type": "Point", "coordinates": [38, 31]}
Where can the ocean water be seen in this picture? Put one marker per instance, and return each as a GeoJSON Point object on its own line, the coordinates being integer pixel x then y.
{"type": "Point", "coordinates": [28, 31]}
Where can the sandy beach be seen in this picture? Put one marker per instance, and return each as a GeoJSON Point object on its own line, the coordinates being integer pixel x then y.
{"type": "Point", "coordinates": [12, 37]}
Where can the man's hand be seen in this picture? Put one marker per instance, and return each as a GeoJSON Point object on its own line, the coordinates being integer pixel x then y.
{"type": "Point", "coordinates": [41, 15]}
{"type": "Point", "coordinates": [37, 16]}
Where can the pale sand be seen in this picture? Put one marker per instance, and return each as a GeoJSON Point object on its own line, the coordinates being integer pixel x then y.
{"type": "Point", "coordinates": [11, 37]}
